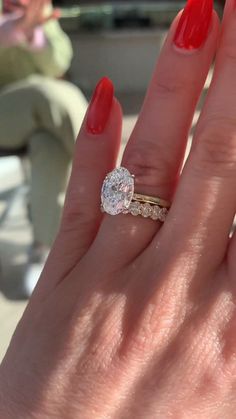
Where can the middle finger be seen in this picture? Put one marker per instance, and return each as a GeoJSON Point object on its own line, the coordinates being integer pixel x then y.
{"type": "Point", "coordinates": [205, 202]}
{"type": "Point", "coordinates": [156, 148]}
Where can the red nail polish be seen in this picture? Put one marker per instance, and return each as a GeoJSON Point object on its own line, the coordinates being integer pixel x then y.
{"type": "Point", "coordinates": [194, 24]}
{"type": "Point", "coordinates": [100, 107]}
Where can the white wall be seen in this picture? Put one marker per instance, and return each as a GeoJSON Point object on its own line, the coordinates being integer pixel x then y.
{"type": "Point", "coordinates": [127, 57]}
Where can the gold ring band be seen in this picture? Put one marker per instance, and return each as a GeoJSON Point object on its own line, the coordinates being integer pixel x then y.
{"type": "Point", "coordinates": [151, 200]}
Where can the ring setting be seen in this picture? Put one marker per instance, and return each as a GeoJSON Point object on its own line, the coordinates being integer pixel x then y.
{"type": "Point", "coordinates": [118, 197]}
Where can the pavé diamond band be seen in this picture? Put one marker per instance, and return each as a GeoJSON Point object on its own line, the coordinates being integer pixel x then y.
{"type": "Point", "coordinates": [154, 212]}
{"type": "Point", "coordinates": [118, 197]}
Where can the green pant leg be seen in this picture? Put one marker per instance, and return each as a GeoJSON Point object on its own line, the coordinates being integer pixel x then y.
{"type": "Point", "coordinates": [36, 110]}
{"type": "Point", "coordinates": [42, 103]}
{"type": "Point", "coordinates": [16, 115]}
{"type": "Point", "coordinates": [50, 166]}
{"type": "Point", "coordinates": [60, 109]}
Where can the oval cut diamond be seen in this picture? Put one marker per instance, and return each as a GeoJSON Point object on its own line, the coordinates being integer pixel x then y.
{"type": "Point", "coordinates": [117, 191]}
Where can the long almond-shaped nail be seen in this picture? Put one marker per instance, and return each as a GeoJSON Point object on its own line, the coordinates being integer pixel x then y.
{"type": "Point", "coordinates": [194, 24]}
{"type": "Point", "coordinates": [100, 107]}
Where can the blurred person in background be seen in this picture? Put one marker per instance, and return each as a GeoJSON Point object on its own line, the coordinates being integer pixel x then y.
{"type": "Point", "coordinates": [38, 109]}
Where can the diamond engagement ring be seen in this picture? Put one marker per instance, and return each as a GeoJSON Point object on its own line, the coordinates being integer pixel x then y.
{"type": "Point", "coordinates": [118, 197]}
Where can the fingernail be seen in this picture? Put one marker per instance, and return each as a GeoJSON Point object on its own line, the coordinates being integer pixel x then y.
{"type": "Point", "coordinates": [194, 24]}
{"type": "Point", "coordinates": [100, 107]}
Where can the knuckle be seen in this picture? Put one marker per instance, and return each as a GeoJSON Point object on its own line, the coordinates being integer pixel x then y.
{"type": "Point", "coordinates": [151, 329]}
{"type": "Point", "coordinates": [216, 147]}
{"type": "Point", "coordinates": [149, 164]}
{"type": "Point", "coordinates": [229, 54]}
{"type": "Point", "coordinates": [102, 324]}
{"type": "Point", "coordinates": [158, 319]}
{"type": "Point", "coordinates": [168, 84]}
{"type": "Point", "coordinates": [78, 212]}
{"type": "Point", "coordinates": [73, 220]}
{"type": "Point", "coordinates": [77, 217]}
{"type": "Point", "coordinates": [228, 45]}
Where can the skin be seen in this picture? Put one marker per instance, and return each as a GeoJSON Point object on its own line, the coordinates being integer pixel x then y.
{"type": "Point", "coordinates": [28, 15]}
{"type": "Point", "coordinates": [132, 319]}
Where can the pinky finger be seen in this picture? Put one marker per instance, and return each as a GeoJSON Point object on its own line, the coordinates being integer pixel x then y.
{"type": "Point", "coordinates": [96, 153]}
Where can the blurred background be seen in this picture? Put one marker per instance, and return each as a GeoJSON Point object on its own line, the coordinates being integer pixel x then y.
{"type": "Point", "coordinates": [114, 37]}
{"type": "Point", "coordinates": [119, 39]}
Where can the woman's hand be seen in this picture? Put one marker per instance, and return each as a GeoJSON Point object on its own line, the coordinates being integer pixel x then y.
{"type": "Point", "coordinates": [131, 319]}
{"type": "Point", "coordinates": [34, 15]}
{"type": "Point", "coordinates": [25, 17]}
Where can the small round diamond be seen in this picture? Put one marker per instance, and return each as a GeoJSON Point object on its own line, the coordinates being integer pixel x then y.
{"type": "Point", "coordinates": [155, 213]}
{"type": "Point", "coordinates": [163, 214]}
{"type": "Point", "coordinates": [134, 208]}
{"type": "Point", "coordinates": [117, 191]}
{"type": "Point", "coordinates": [126, 211]}
{"type": "Point", "coordinates": [146, 210]}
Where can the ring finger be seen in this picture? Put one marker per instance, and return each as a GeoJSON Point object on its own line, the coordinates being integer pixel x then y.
{"type": "Point", "coordinates": [156, 148]}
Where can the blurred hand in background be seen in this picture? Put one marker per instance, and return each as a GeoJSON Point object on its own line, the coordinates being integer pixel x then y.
{"type": "Point", "coordinates": [26, 15]}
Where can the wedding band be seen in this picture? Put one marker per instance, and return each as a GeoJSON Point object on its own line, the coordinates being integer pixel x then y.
{"type": "Point", "coordinates": [147, 210]}
{"type": "Point", "coordinates": [118, 197]}
{"type": "Point", "coordinates": [151, 200]}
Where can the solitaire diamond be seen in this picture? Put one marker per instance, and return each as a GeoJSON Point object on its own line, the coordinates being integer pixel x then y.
{"type": "Point", "coordinates": [117, 191]}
